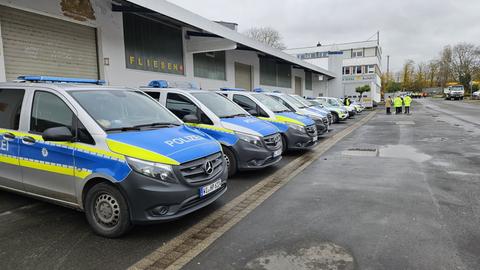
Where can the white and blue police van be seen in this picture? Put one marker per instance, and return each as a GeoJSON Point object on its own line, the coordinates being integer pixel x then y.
{"type": "Point", "coordinates": [294, 105]}
{"type": "Point", "coordinates": [298, 131]}
{"type": "Point", "coordinates": [315, 107]}
{"type": "Point", "coordinates": [114, 153]}
{"type": "Point", "coordinates": [248, 143]}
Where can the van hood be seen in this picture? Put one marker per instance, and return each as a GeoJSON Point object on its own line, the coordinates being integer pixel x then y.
{"type": "Point", "coordinates": [305, 120]}
{"type": "Point", "coordinates": [250, 125]}
{"type": "Point", "coordinates": [172, 146]}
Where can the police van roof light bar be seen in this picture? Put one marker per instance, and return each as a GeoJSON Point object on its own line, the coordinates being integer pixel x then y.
{"type": "Point", "coordinates": [232, 89]}
{"type": "Point", "coordinates": [52, 79]}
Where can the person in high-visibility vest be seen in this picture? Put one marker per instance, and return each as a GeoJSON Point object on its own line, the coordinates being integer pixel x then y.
{"type": "Point", "coordinates": [408, 101]}
{"type": "Point", "coordinates": [397, 103]}
{"type": "Point", "coordinates": [347, 101]}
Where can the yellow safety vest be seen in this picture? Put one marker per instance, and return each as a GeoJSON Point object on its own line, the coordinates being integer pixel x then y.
{"type": "Point", "coordinates": [407, 100]}
{"type": "Point", "coordinates": [397, 102]}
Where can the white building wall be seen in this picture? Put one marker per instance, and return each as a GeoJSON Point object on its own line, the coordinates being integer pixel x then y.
{"type": "Point", "coordinates": [109, 27]}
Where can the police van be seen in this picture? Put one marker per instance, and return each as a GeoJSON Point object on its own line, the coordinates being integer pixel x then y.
{"type": "Point", "coordinates": [114, 153]}
{"type": "Point", "coordinates": [298, 131]}
{"type": "Point", "coordinates": [338, 113]}
{"type": "Point", "coordinates": [314, 107]}
{"type": "Point", "coordinates": [247, 142]}
{"type": "Point", "coordinates": [294, 105]}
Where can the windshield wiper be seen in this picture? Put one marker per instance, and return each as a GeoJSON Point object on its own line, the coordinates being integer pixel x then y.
{"type": "Point", "coordinates": [282, 111]}
{"type": "Point", "coordinates": [235, 115]}
{"type": "Point", "coordinates": [158, 124]}
{"type": "Point", "coordinates": [123, 129]}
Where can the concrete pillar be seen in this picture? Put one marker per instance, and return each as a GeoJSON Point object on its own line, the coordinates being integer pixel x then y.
{"type": "Point", "coordinates": [335, 65]}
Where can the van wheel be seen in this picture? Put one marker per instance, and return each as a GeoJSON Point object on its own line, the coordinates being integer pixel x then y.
{"type": "Point", "coordinates": [231, 161]}
{"type": "Point", "coordinates": [107, 211]}
{"type": "Point", "coordinates": [284, 144]}
{"type": "Point", "coordinates": [335, 118]}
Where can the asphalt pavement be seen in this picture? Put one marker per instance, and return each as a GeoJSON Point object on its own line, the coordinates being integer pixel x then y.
{"type": "Point", "coordinates": [39, 235]}
{"type": "Point", "coordinates": [401, 192]}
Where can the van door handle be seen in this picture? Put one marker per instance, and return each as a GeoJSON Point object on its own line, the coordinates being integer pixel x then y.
{"type": "Point", "coordinates": [9, 136]}
{"type": "Point", "coordinates": [28, 140]}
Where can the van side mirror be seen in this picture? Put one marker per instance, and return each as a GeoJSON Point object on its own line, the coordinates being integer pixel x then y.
{"type": "Point", "coordinates": [191, 118]}
{"type": "Point", "coordinates": [253, 112]}
{"type": "Point", "coordinates": [57, 134]}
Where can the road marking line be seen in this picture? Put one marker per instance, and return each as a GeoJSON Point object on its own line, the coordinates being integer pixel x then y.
{"type": "Point", "coordinates": [182, 249]}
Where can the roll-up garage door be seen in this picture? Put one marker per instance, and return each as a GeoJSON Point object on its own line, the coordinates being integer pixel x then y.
{"type": "Point", "coordinates": [243, 76]}
{"type": "Point", "coordinates": [39, 45]}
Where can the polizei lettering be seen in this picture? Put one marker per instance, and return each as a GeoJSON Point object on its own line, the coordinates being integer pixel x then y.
{"type": "Point", "coordinates": [182, 140]}
{"type": "Point", "coordinates": [4, 145]}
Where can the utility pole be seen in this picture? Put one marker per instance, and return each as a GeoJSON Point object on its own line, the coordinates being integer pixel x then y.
{"type": "Point", "coordinates": [388, 67]}
{"type": "Point", "coordinates": [378, 38]}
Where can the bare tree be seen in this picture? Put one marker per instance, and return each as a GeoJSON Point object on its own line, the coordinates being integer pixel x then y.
{"type": "Point", "coordinates": [266, 35]}
{"type": "Point", "coordinates": [445, 66]}
{"type": "Point", "coordinates": [465, 62]}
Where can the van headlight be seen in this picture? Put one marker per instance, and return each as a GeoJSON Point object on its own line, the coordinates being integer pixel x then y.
{"type": "Point", "coordinates": [158, 171]}
{"type": "Point", "coordinates": [296, 127]}
{"type": "Point", "coordinates": [250, 139]}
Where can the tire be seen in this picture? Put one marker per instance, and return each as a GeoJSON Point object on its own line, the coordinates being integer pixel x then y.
{"type": "Point", "coordinates": [107, 211]}
{"type": "Point", "coordinates": [284, 144]}
{"type": "Point", "coordinates": [231, 161]}
{"type": "Point", "coordinates": [335, 118]}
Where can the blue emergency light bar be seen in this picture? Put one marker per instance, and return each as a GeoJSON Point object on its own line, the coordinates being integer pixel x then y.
{"type": "Point", "coordinates": [51, 79]}
{"type": "Point", "coordinates": [232, 89]}
{"type": "Point", "coordinates": [259, 90]}
{"type": "Point", "coordinates": [158, 84]}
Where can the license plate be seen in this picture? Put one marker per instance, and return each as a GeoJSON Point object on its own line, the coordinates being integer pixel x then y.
{"type": "Point", "coordinates": [277, 153]}
{"type": "Point", "coordinates": [210, 188]}
{"type": "Point", "coordinates": [314, 139]}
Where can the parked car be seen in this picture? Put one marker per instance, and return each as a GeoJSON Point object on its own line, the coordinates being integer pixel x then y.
{"type": "Point", "coordinates": [315, 107]}
{"type": "Point", "coordinates": [339, 113]}
{"type": "Point", "coordinates": [476, 95]}
{"type": "Point", "coordinates": [247, 142]}
{"type": "Point", "coordinates": [112, 152]}
{"type": "Point", "coordinates": [298, 131]}
{"type": "Point", "coordinates": [296, 106]}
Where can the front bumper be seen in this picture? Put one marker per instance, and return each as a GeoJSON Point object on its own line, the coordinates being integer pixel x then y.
{"type": "Point", "coordinates": [299, 140]}
{"type": "Point", "coordinates": [322, 128]}
{"type": "Point", "coordinates": [154, 201]}
{"type": "Point", "coordinates": [251, 157]}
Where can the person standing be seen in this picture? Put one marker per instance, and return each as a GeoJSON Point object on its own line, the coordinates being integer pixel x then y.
{"type": "Point", "coordinates": [347, 101]}
{"type": "Point", "coordinates": [397, 103]}
{"type": "Point", "coordinates": [408, 101]}
{"type": "Point", "coordinates": [388, 105]}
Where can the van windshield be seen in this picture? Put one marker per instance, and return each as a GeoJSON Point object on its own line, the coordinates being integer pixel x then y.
{"type": "Point", "coordinates": [294, 101]}
{"type": "Point", "coordinates": [271, 103]}
{"type": "Point", "coordinates": [305, 101]}
{"type": "Point", "coordinates": [220, 105]}
{"type": "Point", "coordinates": [124, 110]}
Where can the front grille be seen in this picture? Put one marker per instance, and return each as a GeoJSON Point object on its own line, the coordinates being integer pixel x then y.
{"type": "Point", "coordinates": [195, 172]}
{"type": "Point", "coordinates": [311, 130]}
{"type": "Point", "coordinates": [273, 142]}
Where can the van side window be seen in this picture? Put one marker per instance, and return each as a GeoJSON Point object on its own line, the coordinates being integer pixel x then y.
{"type": "Point", "coordinates": [10, 107]}
{"type": "Point", "coordinates": [181, 106]}
{"type": "Point", "coordinates": [83, 135]}
{"type": "Point", "coordinates": [154, 95]}
{"type": "Point", "coordinates": [284, 103]}
{"type": "Point", "coordinates": [49, 111]}
{"type": "Point", "coordinates": [244, 102]}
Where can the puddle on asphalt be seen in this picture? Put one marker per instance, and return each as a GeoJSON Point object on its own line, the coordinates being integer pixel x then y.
{"type": "Point", "coordinates": [459, 173]}
{"type": "Point", "coordinates": [405, 123]}
{"type": "Point", "coordinates": [403, 151]}
{"type": "Point", "coordinates": [324, 256]}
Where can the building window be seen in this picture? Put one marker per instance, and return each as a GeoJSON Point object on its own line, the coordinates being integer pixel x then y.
{"type": "Point", "coordinates": [370, 69]}
{"type": "Point", "coordinates": [308, 80]}
{"type": "Point", "coordinates": [275, 74]}
{"type": "Point", "coordinates": [357, 70]}
{"type": "Point", "coordinates": [210, 65]}
{"type": "Point", "coordinates": [152, 46]}
{"type": "Point", "coordinates": [346, 71]}
{"type": "Point", "coordinates": [357, 53]}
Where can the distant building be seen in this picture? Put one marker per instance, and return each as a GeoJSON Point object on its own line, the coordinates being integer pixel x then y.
{"type": "Point", "coordinates": [358, 62]}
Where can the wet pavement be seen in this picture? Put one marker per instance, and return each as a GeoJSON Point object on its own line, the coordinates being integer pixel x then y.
{"type": "Point", "coordinates": [401, 192]}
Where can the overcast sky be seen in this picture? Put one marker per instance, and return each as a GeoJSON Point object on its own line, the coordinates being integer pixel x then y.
{"type": "Point", "coordinates": [409, 29]}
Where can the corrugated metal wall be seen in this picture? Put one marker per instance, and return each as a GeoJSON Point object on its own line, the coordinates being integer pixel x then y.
{"type": "Point", "coordinates": [41, 45]}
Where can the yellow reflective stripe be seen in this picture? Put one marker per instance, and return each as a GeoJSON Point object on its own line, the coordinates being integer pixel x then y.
{"type": "Point", "coordinates": [289, 120]}
{"type": "Point", "coordinates": [47, 167]}
{"type": "Point", "coordinates": [211, 128]}
{"type": "Point", "coordinates": [82, 174]}
{"type": "Point", "coordinates": [270, 120]}
{"type": "Point", "coordinates": [140, 153]}
{"type": "Point", "coordinates": [9, 160]}
{"type": "Point", "coordinates": [74, 146]}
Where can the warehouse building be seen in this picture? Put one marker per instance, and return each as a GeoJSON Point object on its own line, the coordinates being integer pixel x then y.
{"type": "Point", "coordinates": [133, 42]}
{"type": "Point", "coordinates": [358, 62]}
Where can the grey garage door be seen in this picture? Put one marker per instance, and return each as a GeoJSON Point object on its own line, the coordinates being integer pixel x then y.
{"type": "Point", "coordinates": [39, 45]}
{"type": "Point", "coordinates": [243, 76]}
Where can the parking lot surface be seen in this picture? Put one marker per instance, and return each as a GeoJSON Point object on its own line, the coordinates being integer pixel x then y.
{"type": "Point", "coordinates": [401, 192]}
{"type": "Point", "coordinates": [38, 235]}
